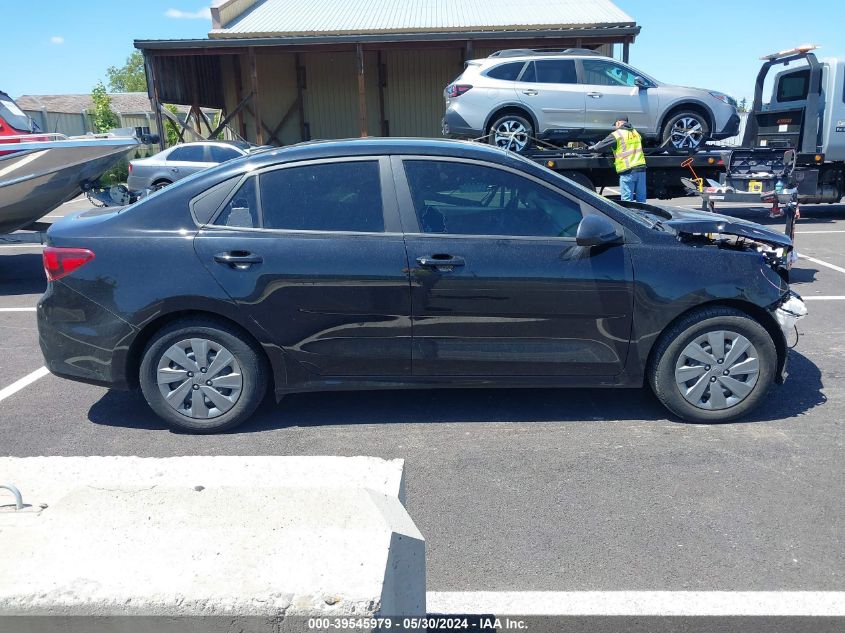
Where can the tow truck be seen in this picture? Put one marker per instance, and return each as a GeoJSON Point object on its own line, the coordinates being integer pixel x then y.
{"type": "Point", "coordinates": [793, 148]}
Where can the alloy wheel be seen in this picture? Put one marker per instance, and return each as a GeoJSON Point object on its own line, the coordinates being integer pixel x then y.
{"type": "Point", "coordinates": [687, 132]}
{"type": "Point", "coordinates": [511, 134]}
{"type": "Point", "coordinates": [199, 378]}
{"type": "Point", "coordinates": [717, 370]}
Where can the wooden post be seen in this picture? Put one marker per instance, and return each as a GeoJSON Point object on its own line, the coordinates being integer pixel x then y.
{"type": "Point", "coordinates": [362, 90]}
{"type": "Point", "coordinates": [152, 93]}
{"type": "Point", "coordinates": [239, 88]}
{"type": "Point", "coordinates": [253, 66]}
{"type": "Point", "coordinates": [468, 52]}
{"type": "Point", "coordinates": [301, 85]}
{"type": "Point", "coordinates": [382, 83]}
{"type": "Point", "coordinates": [625, 48]}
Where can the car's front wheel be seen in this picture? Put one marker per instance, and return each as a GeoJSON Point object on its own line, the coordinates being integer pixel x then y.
{"type": "Point", "coordinates": [512, 132]}
{"type": "Point", "coordinates": [686, 130]}
{"type": "Point", "coordinates": [202, 376]}
{"type": "Point", "coordinates": [714, 365]}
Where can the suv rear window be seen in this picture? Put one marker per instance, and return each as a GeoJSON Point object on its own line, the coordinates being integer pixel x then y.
{"type": "Point", "coordinates": [508, 72]}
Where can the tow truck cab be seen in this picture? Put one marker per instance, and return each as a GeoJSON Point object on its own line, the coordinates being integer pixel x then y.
{"type": "Point", "coordinates": [790, 94]}
{"type": "Point", "coordinates": [797, 139]}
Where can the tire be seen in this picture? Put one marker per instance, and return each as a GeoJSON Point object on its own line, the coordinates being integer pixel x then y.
{"type": "Point", "coordinates": [685, 130]}
{"type": "Point", "coordinates": [694, 334]}
{"type": "Point", "coordinates": [172, 350]}
{"type": "Point", "coordinates": [160, 184]}
{"type": "Point", "coordinates": [513, 132]}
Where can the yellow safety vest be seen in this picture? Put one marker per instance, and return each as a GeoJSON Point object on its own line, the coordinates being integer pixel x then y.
{"type": "Point", "coordinates": [628, 152]}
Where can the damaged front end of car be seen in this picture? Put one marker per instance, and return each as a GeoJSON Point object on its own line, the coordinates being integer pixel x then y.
{"type": "Point", "coordinates": [777, 255]}
{"type": "Point", "coordinates": [775, 250]}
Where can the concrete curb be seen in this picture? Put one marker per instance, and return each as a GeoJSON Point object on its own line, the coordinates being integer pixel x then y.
{"type": "Point", "coordinates": [271, 538]}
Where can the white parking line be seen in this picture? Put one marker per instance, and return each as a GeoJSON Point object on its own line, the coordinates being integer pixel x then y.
{"type": "Point", "coordinates": [817, 232]}
{"type": "Point", "coordinates": [17, 309]}
{"type": "Point", "coordinates": [639, 603]}
{"type": "Point", "coordinates": [822, 263]}
{"type": "Point", "coordinates": [824, 298]}
{"type": "Point", "coordinates": [23, 382]}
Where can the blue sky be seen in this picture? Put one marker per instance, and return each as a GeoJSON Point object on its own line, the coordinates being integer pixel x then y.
{"type": "Point", "coordinates": [717, 44]}
{"type": "Point", "coordinates": [64, 47]}
{"type": "Point", "coordinates": [58, 47]}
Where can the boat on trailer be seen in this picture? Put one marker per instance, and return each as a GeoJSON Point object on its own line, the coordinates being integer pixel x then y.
{"type": "Point", "coordinates": [40, 171]}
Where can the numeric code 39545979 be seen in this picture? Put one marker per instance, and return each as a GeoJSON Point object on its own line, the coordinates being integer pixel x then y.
{"type": "Point", "coordinates": [383, 624]}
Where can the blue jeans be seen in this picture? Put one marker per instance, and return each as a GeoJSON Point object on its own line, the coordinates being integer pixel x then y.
{"type": "Point", "coordinates": [632, 185]}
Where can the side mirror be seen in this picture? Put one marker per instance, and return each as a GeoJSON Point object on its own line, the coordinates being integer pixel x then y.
{"type": "Point", "coordinates": [596, 230]}
{"type": "Point", "coordinates": [641, 83]}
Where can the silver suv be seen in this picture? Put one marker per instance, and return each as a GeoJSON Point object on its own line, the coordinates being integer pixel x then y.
{"type": "Point", "coordinates": [515, 96]}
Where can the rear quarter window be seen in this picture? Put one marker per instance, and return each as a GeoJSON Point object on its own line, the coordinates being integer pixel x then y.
{"type": "Point", "coordinates": [507, 72]}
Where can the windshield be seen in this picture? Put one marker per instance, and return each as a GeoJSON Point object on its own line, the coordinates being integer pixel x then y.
{"type": "Point", "coordinates": [14, 116]}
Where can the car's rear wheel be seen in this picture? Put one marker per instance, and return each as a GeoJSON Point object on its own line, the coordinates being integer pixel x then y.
{"type": "Point", "coordinates": [160, 184]}
{"type": "Point", "coordinates": [686, 130]}
{"type": "Point", "coordinates": [513, 132]}
{"type": "Point", "coordinates": [202, 376]}
{"type": "Point", "coordinates": [714, 365]}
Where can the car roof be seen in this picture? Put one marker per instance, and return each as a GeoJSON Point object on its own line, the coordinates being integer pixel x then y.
{"type": "Point", "coordinates": [380, 146]}
{"type": "Point", "coordinates": [239, 144]}
{"type": "Point", "coordinates": [495, 61]}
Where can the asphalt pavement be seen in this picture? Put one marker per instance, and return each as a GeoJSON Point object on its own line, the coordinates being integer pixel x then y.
{"type": "Point", "coordinates": [526, 490]}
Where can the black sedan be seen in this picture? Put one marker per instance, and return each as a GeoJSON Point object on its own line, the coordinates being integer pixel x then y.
{"type": "Point", "coordinates": [390, 263]}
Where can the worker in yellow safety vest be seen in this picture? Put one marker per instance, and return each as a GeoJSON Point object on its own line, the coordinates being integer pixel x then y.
{"type": "Point", "coordinates": [629, 159]}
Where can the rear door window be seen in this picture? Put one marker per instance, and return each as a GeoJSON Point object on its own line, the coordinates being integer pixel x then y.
{"type": "Point", "coordinates": [507, 72]}
{"type": "Point", "coordinates": [338, 196]}
{"type": "Point", "coordinates": [242, 209]}
{"type": "Point", "coordinates": [530, 74]}
{"type": "Point", "coordinates": [556, 71]}
{"type": "Point", "coordinates": [188, 154]}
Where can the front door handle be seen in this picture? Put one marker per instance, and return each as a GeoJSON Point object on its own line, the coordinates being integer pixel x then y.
{"type": "Point", "coordinates": [240, 260]}
{"type": "Point", "coordinates": [440, 261]}
{"type": "Point", "coordinates": [595, 95]}
{"type": "Point", "coordinates": [531, 93]}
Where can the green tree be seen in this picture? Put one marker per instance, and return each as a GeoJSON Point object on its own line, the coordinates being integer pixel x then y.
{"type": "Point", "coordinates": [130, 77]}
{"type": "Point", "coordinates": [172, 134]}
{"type": "Point", "coordinates": [102, 117]}
{"type": "Point", "coordinates": [743, 105]}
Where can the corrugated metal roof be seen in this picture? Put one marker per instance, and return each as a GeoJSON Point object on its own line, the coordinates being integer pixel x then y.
{"type": "Point", "coordinates": [339, 17]}
{"type": "Point", "coordinates": [121, 102]}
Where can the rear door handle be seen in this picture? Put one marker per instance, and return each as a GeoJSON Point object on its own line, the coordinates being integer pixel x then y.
{"type": "Point", "coordinates": [440, 261]}
{"type": "Point", "coordinates": [531, 93]}
{"type": "Point", "coordinates": [175, 170]}
{"type": "Point", "coordinates": [240, 260]}
{"type": "Point", "coordinates": [595, 95]}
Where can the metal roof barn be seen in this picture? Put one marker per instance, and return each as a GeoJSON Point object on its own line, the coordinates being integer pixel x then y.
{"type": "Point", "coordinates": [284, 71]}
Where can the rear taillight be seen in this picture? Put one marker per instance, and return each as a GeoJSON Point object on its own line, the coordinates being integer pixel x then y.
{"type": "Point", "coordinates": [59, 262]}
{"type": "Point", "coordinates": [456, 90]}
{"type": "Point", "coordinates": [130, 168]}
